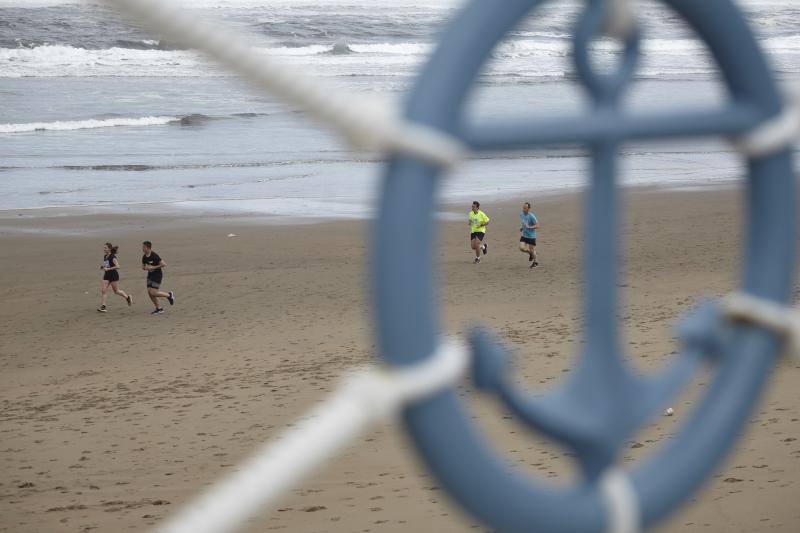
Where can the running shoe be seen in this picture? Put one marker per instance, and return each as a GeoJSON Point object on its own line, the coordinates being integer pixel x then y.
{"type": "Point", "coordinates": [159, 311]}
{"type": "Point", "coordinates": [102, 309]}
{"type": "Point", "coordinates": [129, 300]}
{"type": "Point", "coordinates": [477, 260]}
{"type": "Point", "coordinates": [485, 248]}
{"type": "Point", "coordinates": [171, 298]}
{"type": "Point", "coordinates": [534, 264]}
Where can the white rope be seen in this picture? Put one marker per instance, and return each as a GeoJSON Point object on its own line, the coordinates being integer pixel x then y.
{"type": "Point", "coordinates": [366, 122]}
{"type": "Point", "coordinates": [777, 318]}
{"type": "Point", "coordinates": [620, 20]}
{"type": "Point", "coordinates": [366, 397]}
{"type": "Point", "coordinates": [775, 134]}
{"type": "Point", "coordinates": [622, 504]}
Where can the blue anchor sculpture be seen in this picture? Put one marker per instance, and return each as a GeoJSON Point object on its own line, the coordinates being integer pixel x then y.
{"type": "Point", "coordinates": [603, 403]}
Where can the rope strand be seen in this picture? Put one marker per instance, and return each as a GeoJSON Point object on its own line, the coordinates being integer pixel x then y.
{"type": "Point", "coordinates": [776, 134]}
{"type": "Point", "coordinates": [767, 314]}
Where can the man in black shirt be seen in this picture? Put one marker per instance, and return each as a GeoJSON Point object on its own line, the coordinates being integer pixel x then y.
{"type": "Point", "coordinates": [153, 264]}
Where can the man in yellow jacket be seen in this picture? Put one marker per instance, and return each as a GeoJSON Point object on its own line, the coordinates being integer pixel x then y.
{"type": "Point", "coordinates": [477, 227]}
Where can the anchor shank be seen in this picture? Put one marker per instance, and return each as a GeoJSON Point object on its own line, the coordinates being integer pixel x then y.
{"type": "Point", "coordinates": [600, 264]}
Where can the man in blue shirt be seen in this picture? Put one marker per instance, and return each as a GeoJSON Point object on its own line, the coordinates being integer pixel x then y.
{"type": "Point", "coordinates": [529, 225]}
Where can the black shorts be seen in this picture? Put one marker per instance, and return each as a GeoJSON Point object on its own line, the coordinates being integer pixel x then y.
{"type": "Point", "coordinates": [153, 283]}
{"type": "Point", "coordinates": [528, 240]}
{"type": "Point", "coordinates": [477, 235]}
{"type": "Point", "coordinates": [111, 275]}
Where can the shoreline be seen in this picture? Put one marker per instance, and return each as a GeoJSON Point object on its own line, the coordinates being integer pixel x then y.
{"type": "Point", "coordinates": [94, 219]}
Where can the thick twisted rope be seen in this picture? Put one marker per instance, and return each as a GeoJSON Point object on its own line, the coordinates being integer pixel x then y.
{"type": "Point", "coordinates": [621, 502]}
{"type": "Point", "coordinates": [785, 321]}
{"type": "Point", "coordinates": [776, 134]}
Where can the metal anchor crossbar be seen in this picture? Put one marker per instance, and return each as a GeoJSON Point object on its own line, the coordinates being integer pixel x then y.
{"type": "Point", "coordinates": [603, 402]}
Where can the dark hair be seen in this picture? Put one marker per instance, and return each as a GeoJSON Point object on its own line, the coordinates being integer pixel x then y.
{"type": "Point", "coordinates": [477, 204]}
{"type": "Point", "coordinates": [528, 204]}
{"type": "Point", "coordinates": [112, 247]}
{"type": "Point", "coordinates": [148, 244]}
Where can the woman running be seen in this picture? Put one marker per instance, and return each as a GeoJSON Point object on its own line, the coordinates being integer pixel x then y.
{"type": "Point", "coordinates": [110, 270]}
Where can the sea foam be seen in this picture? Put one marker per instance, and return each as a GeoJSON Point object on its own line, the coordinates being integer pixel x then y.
{"type": "Point", "coordinates": [70, 125]}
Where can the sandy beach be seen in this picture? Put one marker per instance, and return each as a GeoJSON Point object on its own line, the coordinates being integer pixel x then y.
{"type": "Point", "coordinates": [110, 422]}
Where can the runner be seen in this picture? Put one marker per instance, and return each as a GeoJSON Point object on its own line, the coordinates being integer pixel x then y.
{"type": "Point", "coordinates": [527, 243]}
{"type": "Point", "coordinates": [477, 227]}
{"type": "Point", "coordinates": [153, 264]}
{"type": "Point", "coordinates": [110, 268]}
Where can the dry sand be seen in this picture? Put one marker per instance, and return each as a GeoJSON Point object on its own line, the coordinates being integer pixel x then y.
{"type": "Point", "coordinates": [111, 422]}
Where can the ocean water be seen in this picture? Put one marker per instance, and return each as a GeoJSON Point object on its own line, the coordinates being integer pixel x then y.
{"type": "Point", "coordinates": [98, 111]}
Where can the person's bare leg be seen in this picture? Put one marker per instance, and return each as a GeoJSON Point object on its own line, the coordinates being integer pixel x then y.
{"type": "Point", "coordinates": [153, 294]}
{"type": "Point", "coordinates": [103, 292]}
{"type": "Point", "coordinates": [533, 253]}
{"type": "Point", "coordinates": [117, 290]}
{"type": "Point", "coordinates": [526, 249]}
{"type": "Point", "coordinates": [476, 245]}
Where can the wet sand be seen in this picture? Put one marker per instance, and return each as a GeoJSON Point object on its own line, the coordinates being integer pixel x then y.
{"type": "Point", "coordinates": [112, 421]}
